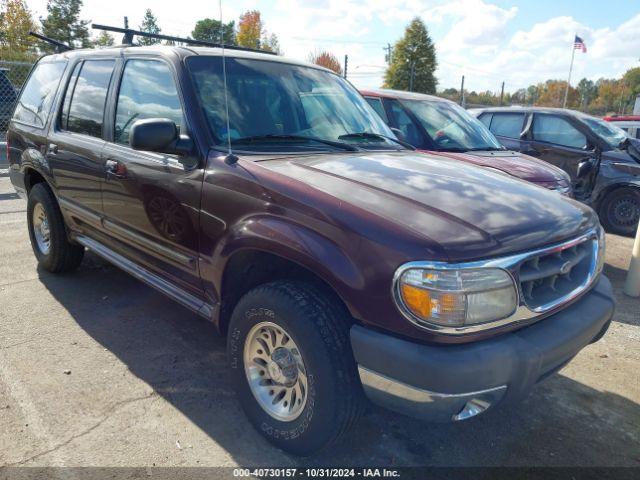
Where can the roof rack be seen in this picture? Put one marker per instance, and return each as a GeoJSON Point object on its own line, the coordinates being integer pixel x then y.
{"type": "Point", "coordinates": [60, 47]}
{"type": "Point", "coordinates": [129, 34]}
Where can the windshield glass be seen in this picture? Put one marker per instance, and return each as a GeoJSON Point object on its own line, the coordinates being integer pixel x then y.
{"type": "Point", "coordinates": [275, 106]}
{"type": "Point", "coordinates": [450, 127]}
{"type": "Point", "coordinates": [611, 134]}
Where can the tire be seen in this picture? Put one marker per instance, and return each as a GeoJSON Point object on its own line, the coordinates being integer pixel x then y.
{"type": "Point", "coordinates": [50, 245]}
{"type": "Point", "coordinates": [620, 211]}
{"type": "Point", "coordinates": [319, 329]}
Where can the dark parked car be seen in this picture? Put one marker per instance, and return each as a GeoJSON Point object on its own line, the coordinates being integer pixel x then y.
{"type": "Point", "coordinates": [7, 101]}
{"type": "Point", "coordinates": [339, 264]}
{"type": "Point", "coordinates": [603, 163]}
{"type": "Point", "coordinates": [437, 125]}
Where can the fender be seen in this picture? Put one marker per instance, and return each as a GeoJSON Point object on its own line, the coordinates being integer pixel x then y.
{"type": "Point", "coordinates": [293, 242]}
{"type": "Point", "coordinates": [615, 175]}
{"type": "Point", "coordinates": [30, 159]}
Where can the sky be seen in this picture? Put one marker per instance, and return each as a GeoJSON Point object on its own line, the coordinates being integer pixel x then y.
{"type": "Point", "coordinates": [519, 42]}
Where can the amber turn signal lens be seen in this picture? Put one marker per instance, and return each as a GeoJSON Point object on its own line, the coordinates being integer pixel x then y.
{"type": "Point", "coordinates": [417, 300]}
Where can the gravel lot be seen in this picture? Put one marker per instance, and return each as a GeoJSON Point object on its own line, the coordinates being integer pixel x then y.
{"type": "Point", "coordinates": [96, 369]}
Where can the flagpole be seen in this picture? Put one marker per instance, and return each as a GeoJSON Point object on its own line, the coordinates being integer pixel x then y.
{"type": "Point", "coordinates": [573, 54]}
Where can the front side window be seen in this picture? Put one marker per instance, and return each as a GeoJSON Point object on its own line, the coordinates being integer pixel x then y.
{"type": "Point", "coordinates": [451, 127]}
{"type": "Point", "coordinates": [405, 124]}
{"type": "Point", "coordinates": [147, 90]}
{"type": "Point", "coordinates": [612, 134]}
{"type": "Point", "coordinates": [556, 130]}
{"type": "Point", "coordinates": [88, 95]}
{"type": "Point", "coordinates": [38, 94]}
{"type": "Point", "coordinates": [507, 124]}
{"type": "Point", "coordinates": [279, 106]}
{"type": "Point", "coordinates": [376, 104]}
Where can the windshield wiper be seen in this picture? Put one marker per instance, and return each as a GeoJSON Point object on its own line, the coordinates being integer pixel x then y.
{"type": "Point", "coordinates": [375, 136]}
{"type": "Point", "coordinates": [295, 138]}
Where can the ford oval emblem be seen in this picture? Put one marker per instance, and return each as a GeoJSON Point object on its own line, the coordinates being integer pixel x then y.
{"type": "Point", "coordinates": [565, 268]}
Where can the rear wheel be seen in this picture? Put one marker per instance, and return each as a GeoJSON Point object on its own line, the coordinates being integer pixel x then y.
{"type": "Point", "coordinates": [620, 211]}
{"type": "Point", "coordinates": [48, 233]}
{"type": "Point", "coordinates": [292, 366]}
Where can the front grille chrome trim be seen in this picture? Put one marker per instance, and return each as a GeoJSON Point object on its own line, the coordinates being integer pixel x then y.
{"type": "Point", "coordinates": [511, 264]}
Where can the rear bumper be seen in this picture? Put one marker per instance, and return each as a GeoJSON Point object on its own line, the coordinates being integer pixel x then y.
{"type": "Point", "coordinates": [454, 382]}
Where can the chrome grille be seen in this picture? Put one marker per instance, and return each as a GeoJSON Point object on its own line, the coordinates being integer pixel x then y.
{"type": "Point", "coordinates": [553, 276]}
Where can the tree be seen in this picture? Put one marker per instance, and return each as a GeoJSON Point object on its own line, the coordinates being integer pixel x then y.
{"type": "Point", "coordinates": [149, 25]}
{"type": "Point", "coordinates": [250, 29]}
{"type": "Point", "coordinates": [587, 91]}
{"type": "Point", "coordinates": [552, 94]}
{"type": "Point", "coordinates": [252, 34]}
{"type": "Point", "coordinates": [326, 59]}
{"type": "Point", "coordinates": [413, 62]}
{"type": "Point", "coordinates": [104, 39]}
{"type": "Point", "coordinates": [209, 29]}
{"type": "Point", "coordinates": [519, 97]}
{"type": "Point", "coordinates": [17, 22]}
{"type": "Point", "coordinates": [63, 23]}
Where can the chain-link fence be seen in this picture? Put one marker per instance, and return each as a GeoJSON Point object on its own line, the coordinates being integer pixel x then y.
{"type": "Point", "coordinates": [12, 77]}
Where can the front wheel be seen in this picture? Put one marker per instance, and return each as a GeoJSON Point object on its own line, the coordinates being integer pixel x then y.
{"type": "Point", "coordinates": [620, 211]}
{"type": "Point", "coordinates": [292, 366]}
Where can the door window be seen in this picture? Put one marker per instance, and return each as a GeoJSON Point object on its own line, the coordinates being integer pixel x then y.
{"type": "Point", "coordinates": [405, 124]}
{"type": "Point", "coordinates": [507, 124]}
{"type": "Point", "coordinates": [376, 104]}
{"type": "Point", "coordinates": [37, 96]}
{"type": "Point", "coordinates": [88, 93]}
{"type": "Point", "coordinates": [556, 130]}
{"type": "Point", "coordinates": [147, 90]}
{"type": "Point", "coordinates": [485, 118]}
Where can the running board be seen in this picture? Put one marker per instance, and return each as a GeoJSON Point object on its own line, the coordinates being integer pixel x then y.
{"type": "Point", "coordinates": [179, 295]}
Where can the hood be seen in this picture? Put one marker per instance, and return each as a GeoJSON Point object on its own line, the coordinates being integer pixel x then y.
{"type": "Point", "coordinates": [516, 164]}
{"type": "Point", "coordinates": [630, 153]}
{"type": "Point", "coordinates": [470, 212]}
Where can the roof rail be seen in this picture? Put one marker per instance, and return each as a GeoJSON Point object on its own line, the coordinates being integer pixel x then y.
{"type": "Point", "coordinates": [129, 34]}
{"type": "Point", "coordinates": [60, 47]}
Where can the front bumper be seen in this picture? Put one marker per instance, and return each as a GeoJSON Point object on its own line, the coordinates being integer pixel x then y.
{"type": "Point", "coordinates": [455, 382]}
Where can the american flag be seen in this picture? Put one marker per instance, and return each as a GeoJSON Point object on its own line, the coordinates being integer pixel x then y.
{"type": "Point", "coordinates": [578, 44]}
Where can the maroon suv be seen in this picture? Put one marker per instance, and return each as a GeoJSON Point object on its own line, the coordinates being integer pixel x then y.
{"type": "Point", "coordinates": [437, 125]}
{"type": "Point", "coordinates": [267, 196]}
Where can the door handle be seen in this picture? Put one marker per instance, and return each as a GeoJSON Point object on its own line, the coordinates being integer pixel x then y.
{"type": "Point", "coordinates": [115, 168]}
{"type": "Point", "coordinates": [52, 149]}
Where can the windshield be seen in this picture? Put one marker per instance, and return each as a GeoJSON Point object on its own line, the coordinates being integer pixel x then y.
{"type": "Point", "coordinates": [611, 134]}
{"type": "Point", "coordinates": [451, 127]}
{"type": "Point", "coordinates": [275, 106]}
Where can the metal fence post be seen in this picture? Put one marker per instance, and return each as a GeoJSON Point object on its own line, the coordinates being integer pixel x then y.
{"type": "Point", "coordinates": [632, 285]}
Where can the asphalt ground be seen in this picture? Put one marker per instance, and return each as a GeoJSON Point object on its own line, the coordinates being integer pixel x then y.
{"type": "Point", "coordinates": [97, 369]}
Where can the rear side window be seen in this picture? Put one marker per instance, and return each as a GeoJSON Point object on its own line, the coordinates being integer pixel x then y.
{"type": "Point", "coordinates": [507, 124]}
{"type": "Point", "coordinates": [556, 130]}
{"type": "Point", "coordinates": [147, 90]}
{"type": "Point", "coordinates": [35, 101]}
{"type": "Point", "coordinates": [376, 104]}
{"type": "Point", "coordinates": [87, 92]}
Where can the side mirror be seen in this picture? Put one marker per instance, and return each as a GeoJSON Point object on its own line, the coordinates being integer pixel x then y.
{"type": "Point", "coordinates": [584, 168]}
{"type": "Point", "coordinates": [159, 135]}
{"type": "Point", "coordinates": [399, 134]}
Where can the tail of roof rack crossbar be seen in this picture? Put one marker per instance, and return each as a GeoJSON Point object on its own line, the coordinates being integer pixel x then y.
{"type": "Point", "coordinates": [60, 47]}
{"type": "Point", "coordinates": [129, 34]}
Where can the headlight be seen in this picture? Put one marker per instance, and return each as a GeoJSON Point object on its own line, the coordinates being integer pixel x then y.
{"type": "Point", "coordinates": [456, 298]}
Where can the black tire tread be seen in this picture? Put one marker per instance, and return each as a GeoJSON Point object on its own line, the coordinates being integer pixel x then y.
{"type": "Point", "coordinates": [604, 207]}
{"type": "Point", "coordinates": [63, 255]}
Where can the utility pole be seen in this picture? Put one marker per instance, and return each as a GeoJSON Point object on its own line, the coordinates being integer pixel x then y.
{"type": "Point", "coordinates": [462, 92]}
{"type": "Point", "coordinates": [387, 56]}
{"type": "Point", "coordinates": [501, 93]}
{"type": "Point", "coordinates": [412, 75]}
{"type": "Point", "coordinates": [346, 62]}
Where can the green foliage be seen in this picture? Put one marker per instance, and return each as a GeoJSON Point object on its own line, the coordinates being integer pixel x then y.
{"type": "Point", "coordinates": [208, 30]}
{"type": "Point", "coordinates": [63, 24]}
{"type": "Point", "coordinates": [149, 25]}
{"type": "Point", "coordinates": [15, 42]}
{"type": "Point", "coordinates": [414, 56]}
{"type": "Point", "coordinates": [104, 39]}
{"type": "Point", "coordinates": [252, 34]}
